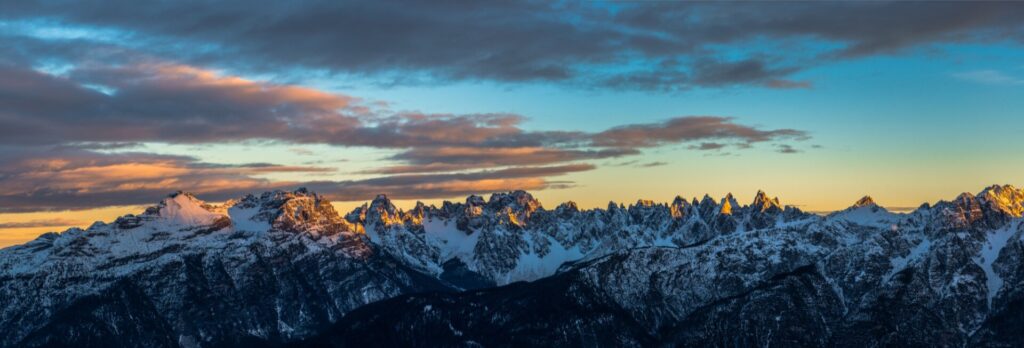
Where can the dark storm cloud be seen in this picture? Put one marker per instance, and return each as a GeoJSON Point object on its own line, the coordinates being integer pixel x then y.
{"type": "Point", "coordinates": [677, 45]}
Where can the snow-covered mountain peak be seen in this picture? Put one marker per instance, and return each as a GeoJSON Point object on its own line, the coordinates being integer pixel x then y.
{"type": "Point", "coordinates": [185, 209]}
{"type": "Point", "coordinates": [1005, 198]}
{"type": "Point", "coordinates": [863, 207]}
{"type": "Point", "coordinates": [865, 212]}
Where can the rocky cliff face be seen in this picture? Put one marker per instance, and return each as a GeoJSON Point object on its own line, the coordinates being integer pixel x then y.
{"type": "Point", "coordinates": [284, 267]}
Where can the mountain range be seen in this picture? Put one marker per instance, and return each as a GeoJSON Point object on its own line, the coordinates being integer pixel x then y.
{"type": "Point", "coordinates": [285, 268]}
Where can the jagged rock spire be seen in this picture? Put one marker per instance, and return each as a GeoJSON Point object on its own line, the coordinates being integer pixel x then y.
{"type": "Point", "coordinates": [680, 201]}
{"type": "Point", "coordinates": [382, 211]}
{"type": "Point", "coordinates": [726, 208]}
{"type": "Point", "coordinates": [644, 203]}
{"type": "Point", "coordinates": [865, 201]}
{"type": "Point", "coordinates": [568, 207]}
{"type": "Point", "coordinates": [475, 201]}
{"type": "Point", "coordinates": [679, 207]}
{"type": "Point", "coordinates": [728, 204]}
{"type": "Point", "coordinates": [518, 200]}
{"type": "Point", "coordinates": [763, 203]}
{"type": "Point", "coordinates": [380, 201]}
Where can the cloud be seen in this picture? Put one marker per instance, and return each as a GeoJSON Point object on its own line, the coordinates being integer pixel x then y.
{"type": "Point", "coordinates": [788, 84]}
{"type": "Point", "coordinates": [860, 28]}
{"type": "Point", "coordinates": [301, 152]}
{"type": "Point", "coordinates": [687, 129]}
{"type": "Point", "coordinates": [707, 146]}
{"type": "Point", "coordinates": [420, 186]}
{"type": "Point", "coordinates": [624, 164]}
{"type": "Point", "coordinates": [653, 164]}
{"type": "Point", "coordinates": [718, 73]}
{"type": "Point", "coordinates": [35, 179]}
{"type": "Point", "coordinates": [39, 223]}
{"type": "Point", "coordinates": [784, 148]}
{"type": "Point", "coordinates": [448, 158]}
{"type": "Point", "coordinates": [990, 77]}
{"type": "Point", "coordinates": [708, 72]}
{"type": "Point", "coordinates": [673, 45]}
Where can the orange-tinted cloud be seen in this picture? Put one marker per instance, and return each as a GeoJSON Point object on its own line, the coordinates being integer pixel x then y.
{"type": "Point", "coordinates": [70, 179]}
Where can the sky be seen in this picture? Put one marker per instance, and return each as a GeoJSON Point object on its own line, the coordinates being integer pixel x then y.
{"type": "Point", "coordinates": [105, 108]}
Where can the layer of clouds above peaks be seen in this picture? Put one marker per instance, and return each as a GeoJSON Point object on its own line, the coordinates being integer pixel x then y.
{"type": "Point", "coordinates": [74, 105]}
